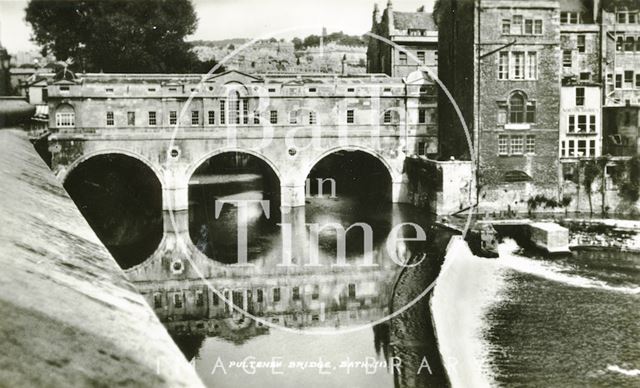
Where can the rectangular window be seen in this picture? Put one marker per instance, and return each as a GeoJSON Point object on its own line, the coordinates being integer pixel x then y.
{"type": "Point", "coordinates": [157, 300]}
{"type": "Point", "coordinates": [566, 58]}
{"type": "Point", "coordinates": [109, 90]}
{"type": "Point", "coordinates": [421, 56]}
{"type": "Point", "coordinates": [537, 27]}
{"type": "Point", "coordinates": [563, 148]}
{"type": "Point", "coordinates": [582, 123]}
{"type": "Point", "coordinates": [585, 76]}
{"type": "Point", "coordinates": [621, 17]}
{"type": "Point", "coordinates": [619, 81]}
{"type": "Point", "coordinates": [517, 145]}
{"type": "Point", "coordinates": [517, 65]}
{"type": "Point", "coordinates": [273, 117]}
{"type": "Point", "coordinates": [506, 26]}
{"type": "Point", "coordinates": [638, 81]}
{"type": "Point", "coordinates": [503, 145]}
{"type": "Point", "coordinates": [422, 147]}
{"type": "Point", "coordinates": [293, 118]}
{"type": "Point", "coordinates": [110, 119]}
{"type": "Point", "coordinates": [530, 145]}
{"type": "Point", "coordinates": [211, 117]}
{"type": "Point", "coordinates": [528, 27]}
{"type": "Point", "coordinates": [503, 65]}
{"type": "Point", "coordinates": [173, 117]}
{"type": "Point", "coordinates": [530, 112]}
{"type": "Point", "coordinates": [570, 151]}
{"type": "Point", "coordinates": [316, 292]}
{"type": "Point", "coordinates": [579, 96]}
{"type": "Point", "coordinates": [131, 118]}
{"type": "Point", "coordinates": [582, 148]}
{"type": "Point", "coordinates": [564, 17]}
{"type": "Point", "coordinates": [532, 66]}
{"type": "Point", "coordinates": [592, 148]}
{"type": "Point", "coordinates": [177, 301]}
{"type": "Point", "coordinates": [387, 117]}
{"type": "Point", "coordinates": [152, 119]}
{"type": "Point", "coordinates": [276, 294]}
{"type": "Point", "coordinates": [502, 114]}
{"type": "Point", "coordinates": [199, 298]}
{"type": "Point", "coordinates": [312, 90]}
{"type": "Point", "coordinates": [582, 45]}
{"type": "Point", "coordinates": [195, 117]}
{"type": "Point", "coordinates": [259, 295]}
{"type": "Point", "coordinates": [312, 118]}
{"type": "Point", "coordinates": [572, 124]}
{"type": "Point", "coordinates": [629, 44]}
{"type": "Point", "coordinates": [223, 113]}
{"type": "Point", "coordinates": [422, 116]}
{"type": "Point", "coordinates": [516, 27]}
{"type": "Point", "coordinates": [352, 291]}
{"type": "Point", "coordinates": [245, 111]}
{"type": "Point", "coordinates": [402, 58]}
{"type": "Point", "coordinates": [295, 294]}
{"type": "Point", "coordinates": [628, 79]}
{"type": "Point", "coordinates": [592, 123]}
{"type": "Point", "coordinates": [350, 117]}
{"type": "Point", "coordinates": [216, 299]}
{"type": "Point", "coordinates": [256, 117]}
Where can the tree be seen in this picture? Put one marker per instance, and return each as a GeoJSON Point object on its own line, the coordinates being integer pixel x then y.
{"type": "Point", "coordinates": [118, 35]}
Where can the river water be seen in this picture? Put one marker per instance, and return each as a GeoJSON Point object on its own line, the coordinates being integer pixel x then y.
{"type": "Point", "coordinates": [519, 320]}
{"type": "Point", "coordinates": [528, 320]}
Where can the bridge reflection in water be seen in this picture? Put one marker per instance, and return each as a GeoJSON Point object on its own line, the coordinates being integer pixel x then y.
{"type": "Point", "coordinates": [300, 297]}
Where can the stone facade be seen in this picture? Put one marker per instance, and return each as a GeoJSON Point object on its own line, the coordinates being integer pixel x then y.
{"type": "Point", "coordinates": [501, 66]}
{"type": "Point", "coordinates": [173, 123]}
{"type": "Point", "coordinates": [414, 32]}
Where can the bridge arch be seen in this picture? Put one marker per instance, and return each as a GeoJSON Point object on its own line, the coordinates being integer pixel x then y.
{"type": "Point", "coordinates": [198, 162]}
{"type": "Point", "coordinates": [393, 175]}
{"type": "Point", "coordinates": [120, 196]}
{"type": "Point", "coordinates": [64, 172]}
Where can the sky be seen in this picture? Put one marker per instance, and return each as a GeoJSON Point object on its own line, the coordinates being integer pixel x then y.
{"type": "Point", "coordinates": [223, 19]}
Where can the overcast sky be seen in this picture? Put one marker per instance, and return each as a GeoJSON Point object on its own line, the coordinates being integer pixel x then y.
{"type": "Point", "coordinates": [222, 19]}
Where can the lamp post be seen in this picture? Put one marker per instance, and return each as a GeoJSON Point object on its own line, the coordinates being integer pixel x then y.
{"type": "Point", "coordinates": [5, 62]}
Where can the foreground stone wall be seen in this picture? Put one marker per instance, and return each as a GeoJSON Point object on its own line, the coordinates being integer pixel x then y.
{"type": "Point", "coordinates": [68, 315]}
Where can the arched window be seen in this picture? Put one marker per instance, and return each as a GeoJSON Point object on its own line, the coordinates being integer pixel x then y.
{"type": "Point", "coordinates": [65, 116]}
{"type": "Point", "coordinates": [521, 110]}
{"type": "Point", "coordinates": [516, 108]}
{"type": "Point", "coordinates": [390, 116]}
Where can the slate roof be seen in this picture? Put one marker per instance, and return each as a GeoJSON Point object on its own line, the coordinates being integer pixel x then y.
{"type": "Point", "coordinates": [417, 20]}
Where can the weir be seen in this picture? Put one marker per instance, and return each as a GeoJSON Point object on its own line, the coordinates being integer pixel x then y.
{"type": "Point", "coordinates": [70, 316]}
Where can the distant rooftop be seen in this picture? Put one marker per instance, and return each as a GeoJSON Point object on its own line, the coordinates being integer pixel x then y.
{"type": "Point", "coordinates": [414, 20]}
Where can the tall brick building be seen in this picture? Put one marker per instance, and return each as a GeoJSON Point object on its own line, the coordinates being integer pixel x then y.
{"type": "Point", "coordinates": [415, 32]}
{"type": "Point", "coordinates": [500, 60]}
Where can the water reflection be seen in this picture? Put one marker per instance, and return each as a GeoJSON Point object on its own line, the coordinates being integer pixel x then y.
{"type": "Point", "coordinates": [309, 294]}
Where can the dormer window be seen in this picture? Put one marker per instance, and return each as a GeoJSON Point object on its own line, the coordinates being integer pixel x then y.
{"type": "Point", "coordinates": [417, 32]}
{"type": "Point", "coordinates": [64, 88]}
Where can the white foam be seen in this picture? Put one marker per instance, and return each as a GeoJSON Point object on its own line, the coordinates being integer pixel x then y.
{"type": "Point", "coordinates": [465, 289]}
{"type": "Point", "coordinates": [551, 271]}
{"type": "Point", "coordinates": [626, 372]}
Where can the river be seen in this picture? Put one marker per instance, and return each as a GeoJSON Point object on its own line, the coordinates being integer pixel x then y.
{"type": "Point", "coordinates": [522, 319]}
